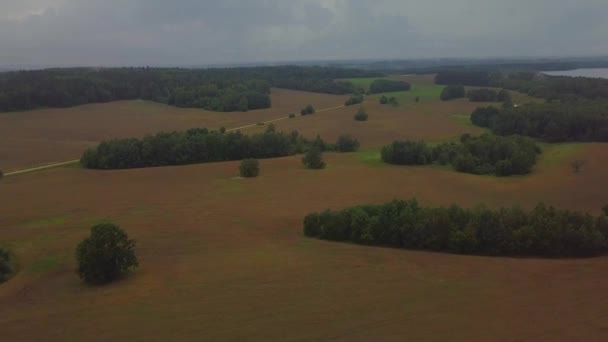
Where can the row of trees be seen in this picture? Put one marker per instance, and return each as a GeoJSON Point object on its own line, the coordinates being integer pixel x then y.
{"type": "Point", "coordinates": [6, 267]}
{"type": "Point", "coordinates": [228, 89]}
{"type": "Point", "coordinates": [543, 231]}
{"type": "Point", "coordinates": [390, 100]}
{"type": "Point", "coordinates": [386, 86]}
{"type": "Point", "coordinates": [485, 154]}
{"type": "Point", "coordinates": [553, 122]}
{"type": "Point", "coordinates": [202, 146]}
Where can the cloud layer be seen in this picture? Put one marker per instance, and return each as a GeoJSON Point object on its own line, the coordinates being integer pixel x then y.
{"type": "Point", "coordinates": [190, 32]}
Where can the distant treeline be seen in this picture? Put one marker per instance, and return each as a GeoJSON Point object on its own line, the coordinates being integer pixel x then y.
{"type": "Point", "coordinates": [202, 146]}
{"type": "Point", "coordinates": [229, 89]}
{"type": "Point", "coordinates": [386, 86]}
{"type": "Point", "coordinates": [553, 122]}
{"type": "Point", "coordinates": [485, 154]}
{"type": "Point", "coordinates": [543, 231]}
{"type": "Point", "coordinates": [552, 88]}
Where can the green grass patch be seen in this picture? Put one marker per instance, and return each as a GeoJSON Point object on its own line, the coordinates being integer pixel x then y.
{"type": "Point", "coordinates": [370, 157]}
{"type": "Point", "coordinates": [559, 152]}
{"type": "Point", "coordinates": [425, 93]}
{"type": "Point", "coordinates": [46, 264]}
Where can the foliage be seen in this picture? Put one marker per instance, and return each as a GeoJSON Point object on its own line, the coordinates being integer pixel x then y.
{"type": "Point", "coordinates": [6, 268]}
{"type": "Point", "coordinates": [386, 86]}
{"type": "Point", "coordinates": [480, 78]}
{"type": "Point", "coordinates": [361, 115]}
{"type": "Point", "coordinates": [486, 154]}
{"type": "Point", "coordinates": [193, 146]}
{"type": "Point", "coordinates": [309, 109]}
{"type": "Point", "coordinates": [452, 92]}
{"type": "Point", "coordinates": [105, 255]}
{"type": "Point", "coordinates": [292, 115]}
{"type": "Point", "coordinates": [389, 100]}
{"type": "Point", "coordinates": [313, 159]}
{"type": "Point", "coordinates": [249, 168]}
{"type": "Point", "coordinates": [482, 95]}
{"type": "Point", "coordinates": [219, 89]}
{"type": "Point", "coordinates": [553, 122]}
{"type": "Point", "coordinates": [355, 99]}
{"type": "Point", "coordinates": [543, 231]}
{"type": "Point", "coordinates": [347, 143]}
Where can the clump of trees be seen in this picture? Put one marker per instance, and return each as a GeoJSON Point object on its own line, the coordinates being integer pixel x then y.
{"type": "Point", "coordinates": [361, 115]}
{"type": "Point", "coordinates": [309, 109]}
{"type": "Point", "coordinates": [553, 122]}
{"type": "Point", "coordinates": [542, 231]}
{"type": "Point", "coordinates": [485, 154]}
{"type": "Point", "coordinates": [194, 146]}
{"type": "Point", "coordinates": [218, 89]}
{"type": "Point", "coordinates": [482, 95]}
{"type": "Point", "coordinates": [313, 159]}
{"type": "Point", "coordinates": [6, 267]}
{"type": "Point", "coordinates": [346, 143]}
{"type": "Point", "coordinates": [452, 92]}
{"type": "Point", "coordinates": [105, 255]}
{"type": "Point", "coordinates": [386, 86]}
{"type": "Point", "coordinates": [249, 168]}
{"type": "Point", "coordinates": [389, 100]}
{"type": "Point", "coordinates": [354, 99]}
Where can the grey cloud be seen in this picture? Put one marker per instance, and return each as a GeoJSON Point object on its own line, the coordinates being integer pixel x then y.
{"type": "Point", "coordinates": [155, 32]}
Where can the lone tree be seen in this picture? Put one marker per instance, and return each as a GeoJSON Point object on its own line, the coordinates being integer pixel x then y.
{"type": "Point", "coordinates": [249, 168]}
{"type": "Point", "coordinates": [308, 110]}
{"type": "Point", "coordinates": [313, 159]}
{"type": "Point", "coordinates": [361, 115]}
{"type": "Point", "coordinates": [577, 165]}
{"type": "Point", "coordinates": [105, 255]}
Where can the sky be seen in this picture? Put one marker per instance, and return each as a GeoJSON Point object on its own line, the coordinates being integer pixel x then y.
{"type": "Point", "coordinates": [189, 32]}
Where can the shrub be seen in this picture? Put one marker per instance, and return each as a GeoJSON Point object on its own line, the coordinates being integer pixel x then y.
{"type": "Point", "coordinates": [222, 129]}
{"type": "Point", "coordinates": [313, 159]}
{"type": "Point", "coordinates": [407, 153]}
{"type": "Point", "coordinates": [452, 92]}
{"type": "Point", "coordinates": [292, 115]}
{"type": "Point", "coordinates": [383, 99]}
{"type": "Point", "coordinates": [347, 143]}
{"type": "Point", "coordinates": [308, 110]}
{"type": "Point", "coordinates": [105, 255]}
{"type": "Point", "coordinates": [355, 99]}
{"type": "Point", "coordinates": [361, 115]}
{"type": "Point", "coordinates": [249, 168]}
{"type": "Point", "coordinates": [6, 269]}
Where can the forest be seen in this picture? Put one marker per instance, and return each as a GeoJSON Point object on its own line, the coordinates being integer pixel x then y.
{"type": "Point", "coordinates": [552, 122]}
{"type": "Point", "coordinates": [484, 154]}
{"type": "Point", "coordinates": [386, 86]}
{"type": "Point", "coordinates": [223, 90]}
{"type": "Point", "coordinates": [543, 231]}
{"type": "Point", "coordinates": [199, 145]}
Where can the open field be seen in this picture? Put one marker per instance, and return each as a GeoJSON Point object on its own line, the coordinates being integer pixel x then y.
{"type": "Point", "coordinates": [39, 137]}
{"type": "Point", "coordinates": [224, 258]}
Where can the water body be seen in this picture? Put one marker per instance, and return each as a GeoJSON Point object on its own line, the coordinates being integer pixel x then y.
{"type": "Point", "coordinates": [594, 73]}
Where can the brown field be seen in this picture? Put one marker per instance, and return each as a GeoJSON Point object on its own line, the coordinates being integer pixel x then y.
{"type": "Point", "coordinates": [224, 258]}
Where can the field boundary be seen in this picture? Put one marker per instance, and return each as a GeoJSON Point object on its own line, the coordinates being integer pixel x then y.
{"type": "Point", "coordinates": [51, 166]}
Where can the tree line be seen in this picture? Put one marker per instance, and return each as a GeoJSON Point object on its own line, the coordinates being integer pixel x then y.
{"type": "Point", "coordinates": [542, 231]}
{"type": "Point", "coordinates": [225, 90]}
{"type": "Point", "coordinates": [484, 154]}
{"type": "Point", "coordinates": [387, 86]}
{"type": "Point", "coordinates": [199, 145]}
{"type": "Point", "coordinates": [552, 122]}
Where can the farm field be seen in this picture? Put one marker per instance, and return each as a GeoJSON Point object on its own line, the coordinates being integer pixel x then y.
{"type": "Point", "coordinates": [224, 258]}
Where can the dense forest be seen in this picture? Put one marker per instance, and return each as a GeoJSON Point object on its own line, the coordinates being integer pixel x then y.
{"type": "Point", "coordinates": [386, 86]}
{"type": "Point", "coordinates": [543, 231]}
{"type": "Point", "coordinates": [488, 95]}
{"type": "Point", "coordinates": [452, 92]}
{"type": "Point", "coordinates": [224, 90]}
{"type": "Point", "coordinates": [553, 122]}
{"type": "Point", "coordinates": [200, 145]}
{"type": "Point", "coordinates": [485, 154]}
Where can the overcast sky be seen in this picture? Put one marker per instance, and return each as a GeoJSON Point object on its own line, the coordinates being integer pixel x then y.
{"type": "Point", "coordinates": [191, 32]}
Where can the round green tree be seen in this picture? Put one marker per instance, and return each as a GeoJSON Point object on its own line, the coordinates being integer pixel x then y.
{"type": "Point", "coordinates": [361, 115]}
{"type": "Point", "coordinates": [249, 168]}
{"type": "Point", "coordinates": [313, 159]}
{"type": "Point", "coordinates": [105, 255]}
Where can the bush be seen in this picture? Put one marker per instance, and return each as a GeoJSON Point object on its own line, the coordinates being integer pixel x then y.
{"type": "Point", "coordinates": [347, 143]}
{"type": "Point", "coordinates": [361, 115]}
{"type": "Point", "coordinates": [313, 159]}
{"type": "Point", "coordinates": [249, 168]}
{"type": "Point", "coordinates": [308, 110]}
{"type": "Point", "coordinates": [452, 92]}
{"type": "Point", "coordinates": [355, 99]}
{"type": "Point", "coordinates": [407, 153]}
{"type": "Point", "coordinates": [105, 255]}
{"type": "Point", "coordinates": [544, 231]}
{"type": "Point", "coordinates": [6, 269]}
{"type": "Point", "coordinates": [292, 115]}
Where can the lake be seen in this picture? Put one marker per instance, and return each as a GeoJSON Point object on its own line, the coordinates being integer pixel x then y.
{"type": "Point", "coordinates": [597, 73]}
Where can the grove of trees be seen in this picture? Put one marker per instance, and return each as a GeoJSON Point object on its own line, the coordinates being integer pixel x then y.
{"type": "Point", "coordinates": [484, 154]}
{"type": "Point", "coordinates": [542, 231]}
{"type": "Point", "coordinates": [105, 255]}
{"type": "Point", "coordinates": [354, 99]}
{"type": "Point", "coordinates": [386, 86]}
{"type": "Point", "coordinates": [452, 92]}
{"type": "Point", "coordinates": [313, 159]}
{"type": "Point", "coordinates": [222, 89]}
{"type": "Point", "coordinates": [346, 143]}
